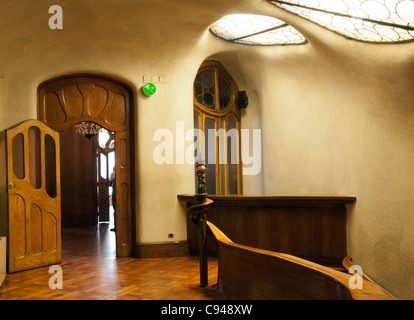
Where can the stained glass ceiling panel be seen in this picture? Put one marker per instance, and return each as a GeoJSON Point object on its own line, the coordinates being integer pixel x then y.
{"type": "Point", "coordinates": [381, 21]}
{"type": "Point", "coordinates": [256, 30]}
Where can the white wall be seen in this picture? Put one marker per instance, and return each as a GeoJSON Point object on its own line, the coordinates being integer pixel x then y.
{"type": "Point", "coordinates": [336, 115]}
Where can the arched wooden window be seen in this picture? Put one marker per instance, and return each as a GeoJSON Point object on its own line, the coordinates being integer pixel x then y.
{"type": "Point", "coordinates": [217, 116]}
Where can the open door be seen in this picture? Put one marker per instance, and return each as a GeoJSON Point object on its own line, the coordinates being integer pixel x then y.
{"type": "Point", "coordinates": [105, 162]}
{"type": "Point", "coordinates": [103, 186]}
{"type": "Point", "coordinates": [33, 168]}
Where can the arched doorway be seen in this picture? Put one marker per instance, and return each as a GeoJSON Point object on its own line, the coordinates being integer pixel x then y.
{"type": "Point", "coordinates": [69, 100]}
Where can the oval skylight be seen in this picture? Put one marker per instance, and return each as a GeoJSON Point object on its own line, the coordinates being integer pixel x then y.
{"type": "Point", "coordinates": [256, 30]}
{"type": "Point", "coordinates": [366, 20]}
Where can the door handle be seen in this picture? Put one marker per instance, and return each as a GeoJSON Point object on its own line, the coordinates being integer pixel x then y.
{"type": "Point", "coordinates": [11, 187]}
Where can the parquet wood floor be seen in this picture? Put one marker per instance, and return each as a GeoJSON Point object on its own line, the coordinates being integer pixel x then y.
{"type": "Point", "coordinates": [90, 271]}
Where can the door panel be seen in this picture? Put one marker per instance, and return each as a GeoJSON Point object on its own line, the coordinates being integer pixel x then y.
{"type": "Point", "coordinates": [103, 200]}
{"type": "Point", "coordinates": [103, 186]}
{"type": "Point", "coordinates": [33, 158]}
{"type": "Point", "coordinates": [105, 150]}
{"type": "Point", "coordinates": [123, 174]}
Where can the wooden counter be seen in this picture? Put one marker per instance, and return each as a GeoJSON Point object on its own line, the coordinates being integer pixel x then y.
{"type": "Point", "coordinates": [308, 226]}
{"type": "Point", "coordinates": [275, 200]}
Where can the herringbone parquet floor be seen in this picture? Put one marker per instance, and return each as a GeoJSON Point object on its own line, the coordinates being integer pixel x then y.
{"type": "Point", "coordinates": [90, 271]}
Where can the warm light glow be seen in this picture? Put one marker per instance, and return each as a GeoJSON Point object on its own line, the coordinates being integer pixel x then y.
{"type": "Point", "coordinates": [256, 30]}
{"type": "Point", "coordinates": [365, 20]}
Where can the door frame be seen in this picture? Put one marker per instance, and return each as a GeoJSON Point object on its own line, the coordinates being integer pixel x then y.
{"type": "Point", "coordinates": [124, 139]}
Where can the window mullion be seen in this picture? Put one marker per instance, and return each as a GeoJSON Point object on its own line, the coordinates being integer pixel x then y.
{"type": "Point", "coordinates": [226, 156]}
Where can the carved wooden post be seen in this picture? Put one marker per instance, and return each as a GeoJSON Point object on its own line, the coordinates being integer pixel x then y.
{"type": "Point", "coordinates": [198, 216]}
{"type": "Point", "coordinates": [202, 226]}
{"type": "Point", "coordinates": [202, 246]}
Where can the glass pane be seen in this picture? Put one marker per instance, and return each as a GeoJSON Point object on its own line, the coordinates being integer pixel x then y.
{"type": "Point", "coordinates": [255, 30]}
{"type": "Point", "coordinates": [238, 26]}
{"type": "Point", "coordinates": [104, 173]}
{"type": "Point", "coordinates": [18, 156]}
{"type": "Point", "coordinates": [103, 136]}
{"type": "Point", "coordinates": [35, 168]}
{"type": "Point", "coordinates": [204, 88]}
{"type": "Point", "coordinates": [365, 20]}
{"type": "Point", "coordinates": [50, 169]}
{"type": "Point", "coordinates": [222, 157]}
{"type": "Point", "coordinates": [210, 156]}
{"type": "Point", "coordinates": [196, 136]}
{"type": "Point", "coordinates": [286, 35]}
{"type": "Point", "coordinates": [196, 146]}
{"type": "Point", "coordinates": [111, 161]}
{"type": "Point", "coordinates": [232, 153]}
{"type": "Point", "coordinates": [224, 91]}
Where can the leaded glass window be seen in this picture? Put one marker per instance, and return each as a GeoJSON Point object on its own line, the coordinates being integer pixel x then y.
{"type": "Point", "coordinates": [256, 30]}
{"type": "Point", "coordinates": [218, 120]}
{"type": "Point", "coordinates": [205, 89]}
{"type": "Point", "coordinates": [383, 21]}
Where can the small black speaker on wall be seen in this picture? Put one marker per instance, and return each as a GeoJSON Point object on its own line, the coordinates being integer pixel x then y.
{"type": "Point", "coordinates": [243, 99]}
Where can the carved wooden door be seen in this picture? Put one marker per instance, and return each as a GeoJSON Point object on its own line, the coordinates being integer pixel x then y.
{"type": "Point", "coordinates": [103, 185]}
{"type": "Point", "coordinates": [33, 167]}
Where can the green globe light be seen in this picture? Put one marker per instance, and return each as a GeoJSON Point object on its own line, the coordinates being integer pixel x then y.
{"type": "Point", "coordinates": [149, 89]}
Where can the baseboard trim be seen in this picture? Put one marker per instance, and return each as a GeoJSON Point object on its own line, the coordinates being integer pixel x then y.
{"type": "Point", "coordinates": [161, 249]}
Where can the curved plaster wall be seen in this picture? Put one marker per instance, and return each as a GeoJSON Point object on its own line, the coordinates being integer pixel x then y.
{"type": "Point", "coordinates": [336, 115]}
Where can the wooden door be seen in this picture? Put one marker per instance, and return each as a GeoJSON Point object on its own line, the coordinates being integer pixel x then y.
{"type": "Point", "coordinates": [33, 167]}
{"type": "Point", "coordinates": [103, 185]}
{"type": "Point", "coordinates": [105, 147]}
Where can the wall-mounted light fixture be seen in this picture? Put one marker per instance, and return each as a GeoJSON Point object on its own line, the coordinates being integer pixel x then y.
{"type": "Point", "coordinates": [149, 89]}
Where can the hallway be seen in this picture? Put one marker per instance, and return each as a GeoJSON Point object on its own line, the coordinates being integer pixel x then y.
{"type": "Point", "coordinates": [90, 271]}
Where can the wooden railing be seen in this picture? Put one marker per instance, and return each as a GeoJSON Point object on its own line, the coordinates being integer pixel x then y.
{"type": "Point", "coordinates": [250, 273]}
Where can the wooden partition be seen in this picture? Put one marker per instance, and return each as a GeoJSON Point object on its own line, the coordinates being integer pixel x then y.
{"type": "Point", "coordinates": [312, 227]}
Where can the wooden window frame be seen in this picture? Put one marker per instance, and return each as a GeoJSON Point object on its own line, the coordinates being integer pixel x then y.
{"type": "Point", "coordinates": [232, 108]}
